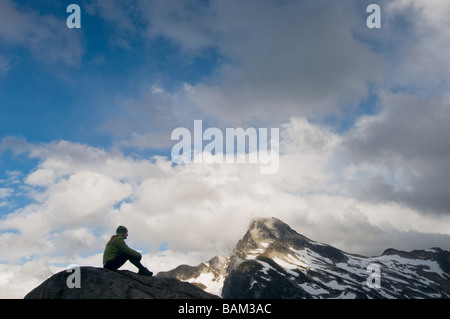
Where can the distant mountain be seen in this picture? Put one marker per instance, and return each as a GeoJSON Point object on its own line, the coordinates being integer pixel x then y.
{"type": "Point", "coordinates": [209, 276]}
{"type": "Point", "coordinates": [274, 261]}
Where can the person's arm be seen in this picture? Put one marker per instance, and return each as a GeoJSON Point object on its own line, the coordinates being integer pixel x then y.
{"type": "Point", "coordinates": [120, 243]}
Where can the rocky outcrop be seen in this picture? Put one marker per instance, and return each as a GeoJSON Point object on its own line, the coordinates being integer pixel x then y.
{"type": "Point", "coordinates": [100, 283]}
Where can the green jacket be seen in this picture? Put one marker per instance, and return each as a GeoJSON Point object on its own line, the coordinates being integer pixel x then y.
{"type": "Point", "coordinates": [117, 246]}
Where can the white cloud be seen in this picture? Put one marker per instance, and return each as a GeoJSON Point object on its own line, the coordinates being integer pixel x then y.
{"type": "Point", "coordinates": [17, 280]}
{"type": "Point", "coordinates": [5, 192]}
{"type": "Point", "coordinates": [197, 210]}
{"type": "Point", "coordinates": [41, 177]}
{"type": "Point", "coordinates": [147, 119]}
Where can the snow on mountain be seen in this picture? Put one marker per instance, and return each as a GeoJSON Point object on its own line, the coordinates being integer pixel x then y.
{"type": "Point", "coordinates": [209, 275]}
{"type": "Point", "coordinates": [274, 261]}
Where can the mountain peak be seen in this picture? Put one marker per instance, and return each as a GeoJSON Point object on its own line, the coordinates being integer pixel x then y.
{"type": "Point", "coordinates": [270, 234]}
{"type": "Point", "coordinates": [272, 222]}
{"type": "Point", "coordinates": [263, 229]}
{"type": "Point", "coordinates": [269, 227]}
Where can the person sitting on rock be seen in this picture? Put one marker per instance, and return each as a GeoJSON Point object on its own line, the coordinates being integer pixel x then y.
{"type": "Point", "coordinates": [117, 253]}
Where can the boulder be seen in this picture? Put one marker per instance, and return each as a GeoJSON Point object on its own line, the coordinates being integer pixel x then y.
{"type": "Point", "coordinates": [100, 283]}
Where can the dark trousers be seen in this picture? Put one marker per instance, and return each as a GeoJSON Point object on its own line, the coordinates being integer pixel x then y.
{"type": "Point", "coordinates": [118, 262]}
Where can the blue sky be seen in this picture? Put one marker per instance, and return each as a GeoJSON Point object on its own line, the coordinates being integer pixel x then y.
{"type": "Point", "coordinates": [86, 117]}
{"type": "Point", "coordinates": [46, 99]}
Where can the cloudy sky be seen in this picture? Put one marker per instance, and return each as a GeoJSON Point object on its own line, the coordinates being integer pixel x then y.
{"type": "Point", "coordinates": [86, 117]}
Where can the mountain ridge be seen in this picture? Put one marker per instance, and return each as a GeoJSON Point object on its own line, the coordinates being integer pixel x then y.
{"type": "Point", "coordinates": [272, 260]}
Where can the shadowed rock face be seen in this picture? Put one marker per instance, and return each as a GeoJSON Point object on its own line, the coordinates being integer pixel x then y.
{"type": "Point", "coordinates": [100, 283]}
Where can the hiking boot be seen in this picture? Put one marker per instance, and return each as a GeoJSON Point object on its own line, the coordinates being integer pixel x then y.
{"type": "Point", "coordinates": [145, 272]}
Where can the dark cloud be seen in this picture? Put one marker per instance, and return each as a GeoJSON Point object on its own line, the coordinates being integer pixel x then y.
{"type": "Point", "coordinates": [409, 137]}
{"type": "Point", "coordinates": [299, 58]}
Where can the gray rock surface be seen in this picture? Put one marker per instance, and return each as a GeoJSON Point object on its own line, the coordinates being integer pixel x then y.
{"type": "Point", "coordinates": [100, 283]}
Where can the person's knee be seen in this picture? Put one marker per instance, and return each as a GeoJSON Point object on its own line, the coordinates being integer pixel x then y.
{"type": "Point", "coordinates": [133, 258]}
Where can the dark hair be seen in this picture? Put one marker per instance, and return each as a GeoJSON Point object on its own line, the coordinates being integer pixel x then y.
{"type": "Point", "coordinates": [121, 230]}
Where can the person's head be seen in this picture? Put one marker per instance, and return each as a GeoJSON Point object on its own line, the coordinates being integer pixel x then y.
{"type": "Point", "coordinates": [122, 231]}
